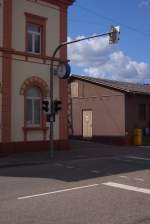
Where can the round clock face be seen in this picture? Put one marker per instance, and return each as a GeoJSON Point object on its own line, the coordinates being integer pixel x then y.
{"type": "Point", "coordinates": [63, 71]}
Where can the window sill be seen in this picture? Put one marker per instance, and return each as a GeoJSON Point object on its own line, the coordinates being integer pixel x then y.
{"type": "Point", "coordinates": [29, 130]}
{"type": "Point", "coordinates": [35, 128]}
{"type": "Point", "coordinates": [33, 54]}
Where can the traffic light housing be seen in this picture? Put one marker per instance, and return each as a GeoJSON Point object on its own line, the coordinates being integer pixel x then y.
{"type": "Point", "coordinates": [46, 106]}
{"type": "Point", "coordinates": [114, 34]}
{"type": "Point", "coordinates": [57, 106]}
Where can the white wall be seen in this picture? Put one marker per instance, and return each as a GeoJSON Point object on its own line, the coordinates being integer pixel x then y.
{"type": "Point", "coordinates": [52, 26]}
{"type": "Point", "coordinates": [21, 71]}
{"type": "Point", "coordinates": [1, 23]}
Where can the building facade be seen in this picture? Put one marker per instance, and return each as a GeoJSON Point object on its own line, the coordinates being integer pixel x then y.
{"type": "Point", "coordinates": [30, 30]}
{"type": "Point", "coordinates": [107, 110]}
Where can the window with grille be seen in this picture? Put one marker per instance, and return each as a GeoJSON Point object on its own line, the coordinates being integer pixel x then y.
{"type": "Point", "coordinates": [34, 34]}
{"type": "Point", "coordinates": [33, 107]}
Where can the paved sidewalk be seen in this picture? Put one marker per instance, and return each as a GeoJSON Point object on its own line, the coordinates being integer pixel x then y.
{"type": "Point", "coordinates": [22, 159]}
{"type": "Point", "coordinates": [79, 150]}
{"type": "Point", "coordinates": [33, 158]}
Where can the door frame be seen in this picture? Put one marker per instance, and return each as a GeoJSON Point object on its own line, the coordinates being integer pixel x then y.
{"type": "Point", "coordinates": [88, 109]}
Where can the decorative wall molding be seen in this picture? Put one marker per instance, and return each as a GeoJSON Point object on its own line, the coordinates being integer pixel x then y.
{"type": "Point", "coordinates": [35, 81]}
{"type": "Point", "coordinates": [27, 56]}
{"type": "Point", "coordinates": [7, 72]}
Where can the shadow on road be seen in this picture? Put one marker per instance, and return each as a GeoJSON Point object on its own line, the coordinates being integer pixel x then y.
{"type": "Point", "coordinates": [85, 161]}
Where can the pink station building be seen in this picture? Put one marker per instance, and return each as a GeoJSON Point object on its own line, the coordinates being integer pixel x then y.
{"type": "Point", "coordinates": [30, 30]}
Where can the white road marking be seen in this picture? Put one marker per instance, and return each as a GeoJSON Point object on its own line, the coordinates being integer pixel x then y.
{"type": "Point", "coordinates": [123, 159]}
{"type": "Point", "coordinates": [117, 158]}
{"type": "Point", "coordinates": [59, 191]}
{"type": "Point", "coordinates": [95, 171]}
{"type": "Point", "coordinates": [70, 167]}
{"type": "Point", "coordinates": [124, 177]}
{"type": "Point", "coordinates": [59, 164]}
{"type": "Point", "coordinates": [127, 187]}
{"type": "Point", "coordinates": [134, 178]}
{"type": "Point", "coordinates": [108, 174]}
{"type": "Point", "coordinates": [138, 179]}
{"type": "Point", "coordinates": [80, 156]}
{"type": "Point", "coordinates": [136, 157]}
{"type": "Point", "coordinates": [127, 160]}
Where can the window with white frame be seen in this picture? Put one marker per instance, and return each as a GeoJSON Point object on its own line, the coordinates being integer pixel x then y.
{"type": "Point", "coordinates": [33, 107]}
{"type": "Point", "coordinates": [34, 34]}
{"type": "Point", "coordinates": [74, 89]}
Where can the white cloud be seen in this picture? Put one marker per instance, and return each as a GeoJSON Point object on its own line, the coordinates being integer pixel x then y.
{"type": "Point", "coordinates": [144, 3]}
{"type": "Point", "coordinates": [99, 59]}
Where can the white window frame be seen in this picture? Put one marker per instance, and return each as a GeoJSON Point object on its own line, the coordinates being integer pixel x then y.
{"type": "Point", "coordinates": [33, 34]}
{"type": "Point", "coordinates": [74, 89]}
{"type": "Point", "coordinates": [32, 122]}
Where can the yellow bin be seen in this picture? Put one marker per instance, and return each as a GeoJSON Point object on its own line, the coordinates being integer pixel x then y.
{"type": "Point", "coordinates": [137, 136]}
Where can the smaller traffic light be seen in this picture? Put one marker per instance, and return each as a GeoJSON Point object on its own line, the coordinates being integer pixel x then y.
{"type": "Point", "coordinates": [57, 106]}
{"type": "Point", "coordinates": [114, 34]}
{"type": "Point", "coordinates": [46, 105]}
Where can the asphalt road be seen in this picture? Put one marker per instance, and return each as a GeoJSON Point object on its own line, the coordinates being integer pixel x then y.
{"type": "Point", "coordinates": [87, 189]}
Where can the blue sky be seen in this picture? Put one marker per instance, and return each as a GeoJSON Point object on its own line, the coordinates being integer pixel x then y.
{"type": "Point", "coordinates": [127, 60]}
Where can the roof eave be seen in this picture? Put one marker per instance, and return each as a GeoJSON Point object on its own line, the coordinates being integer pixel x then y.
{"type": "Point", "coordinates": [124, 90]}
{"type": "Point", "coordinates": [139, 93]}
{"type": "Point", "coordinates": [60, 2]}
{"type": "Point", "coordinates": [101, 84]}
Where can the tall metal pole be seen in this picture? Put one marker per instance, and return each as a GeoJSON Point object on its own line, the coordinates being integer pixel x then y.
{"type": "Point", "coordinates": [51, 103]}
{"type": "Point", "coordinates": [51, 82]}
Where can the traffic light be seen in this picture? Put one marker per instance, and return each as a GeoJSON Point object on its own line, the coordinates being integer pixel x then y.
{"type": "Point", "coordinates": [57, 106]}
{"type": "Point", "coordinates": [114, 34]}
{"type": "Point", "coordinates": [46, 106]}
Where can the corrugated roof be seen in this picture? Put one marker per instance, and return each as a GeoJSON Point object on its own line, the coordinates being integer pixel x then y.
{"type": "Point", "coordinates": [127, 87]}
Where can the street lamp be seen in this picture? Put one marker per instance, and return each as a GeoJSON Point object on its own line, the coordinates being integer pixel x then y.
{"type": "Point", "coordinates": [113, 35]}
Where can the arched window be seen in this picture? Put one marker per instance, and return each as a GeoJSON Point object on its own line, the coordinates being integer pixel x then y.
{"type": "Point", "coordinates": [33, 111]}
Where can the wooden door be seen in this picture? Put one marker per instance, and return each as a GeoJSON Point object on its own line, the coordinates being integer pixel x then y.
{"type": "Point", "coordinates": [87, 123]}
